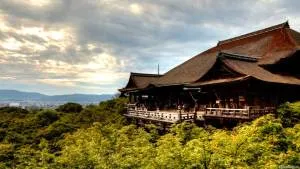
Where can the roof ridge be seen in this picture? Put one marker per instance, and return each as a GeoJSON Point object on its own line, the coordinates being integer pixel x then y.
{"type": "Point", "coordinates": [258, 32]}
{"type": "Point", "coordinates": [295, 40]}
{"type": "Point", "coordinates": [144, 74]}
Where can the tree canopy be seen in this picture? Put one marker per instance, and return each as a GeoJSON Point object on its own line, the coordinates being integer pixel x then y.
{"type": "Point", "coordinates": [70, 108]}
{"type": "Point", "coordinates": [98, 136]}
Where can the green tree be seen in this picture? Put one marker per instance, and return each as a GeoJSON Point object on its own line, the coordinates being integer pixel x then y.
{"type": "Point", "coordinates": [117, 105]}
{"type": "Point", "coordinates": [289, 113]}
{"type": "Point", "coordinates": [168, 153]}
{"type": "Point", "coordinates": [15, 110]}
{"type": "Point", "coordinates": [6, 154]}
{"type": "Point", "coordinates": [70, 108]}
{"type": "Point", "coordinates": [41, 158]}
{"type": "Point", "coordinates": [87, 148]}
{"type": "Point", "coordinates": [97, 137]}
{"type": "Point", "coordinates": [46, 117]}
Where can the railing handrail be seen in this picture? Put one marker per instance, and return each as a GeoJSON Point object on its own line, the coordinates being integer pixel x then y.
{"type": "Point", "coordinates": [227, 109]}
{"type": "Point", "coordinates": [179, 114]}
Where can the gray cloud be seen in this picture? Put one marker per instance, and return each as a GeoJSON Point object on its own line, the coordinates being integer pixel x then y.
{"type": "Point", "coordinates": [165, 32]}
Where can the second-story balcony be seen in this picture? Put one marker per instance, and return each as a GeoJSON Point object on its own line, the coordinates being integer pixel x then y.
{"type": "Point", "coordinates": [174, 116]}
{"type": "Point", "coordinates": [249, 112]}
{"type": "Point", "coordinates": [170, 116]}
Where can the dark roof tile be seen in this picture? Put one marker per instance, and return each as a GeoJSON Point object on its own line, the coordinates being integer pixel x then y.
{"type": "Point", "coordinates": [267, 46]}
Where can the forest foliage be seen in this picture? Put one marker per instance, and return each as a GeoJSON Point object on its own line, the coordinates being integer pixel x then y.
{"type": "Point", "coordinates": [98, 136]}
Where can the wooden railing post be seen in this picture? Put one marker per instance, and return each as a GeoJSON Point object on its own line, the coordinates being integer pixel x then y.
{"type": "Point", "coordinates": [180, 115]}
{"type": "Point", "coordinates": [248, 113]}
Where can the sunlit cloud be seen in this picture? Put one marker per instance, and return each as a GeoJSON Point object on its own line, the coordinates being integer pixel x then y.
{"type": "Point", "coordinates": [60, 37]}
{"type": "Point", "coordinates": [11, 44]}
{"type": "Point", "coordinates": [58, 82]}
{"type": "Point", "coordinates": [42, 33]}
{"type": "Point", "coordinates": [57, 67]}
{"type": "Point", "coordinates": [3, 25]}
{"type": "Point", "coordinates": [136, 9]}
{"type": "Point", "coordinates": [7, 77]}
{"type": "Point", "coordinates": [102, 69]}
{"type": "Point", "coordinates": [35, 47]}
{"type": "Point", "coordinates": [101, 61]}
{"type": "Point", "coordinates": [37, 3]}
{"type": "Point", "coordinates": [91, 46]}
{"type": "Point", "coordinates": [102, 77]}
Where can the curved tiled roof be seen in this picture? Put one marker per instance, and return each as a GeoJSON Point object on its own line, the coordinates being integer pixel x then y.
{"type": "Point", "coordinates": [219, 81]}
{"type": "Point", "coordinates": [190, 70]}
{"type": "Point", "coordinates": [139, 81]}
{"type": "Point", "coordinates": [268, 46]}
{"type": "Point", "coordinates": [253, 70]}
{"type": "Point", "coordinates": [255, 33]}
{"type": "Point", "coordinates": [295, 36]}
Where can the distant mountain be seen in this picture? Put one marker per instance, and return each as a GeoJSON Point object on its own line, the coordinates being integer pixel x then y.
{"type": "Point", "coordinates": [14, 95]}
{"type": "Point", "coordinates": [18, 95]}
{"type": "Point", "coordinates": [78, 98]}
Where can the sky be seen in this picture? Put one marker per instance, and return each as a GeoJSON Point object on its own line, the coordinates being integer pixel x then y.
{"type": "Point", "coordinates": [91, 46]}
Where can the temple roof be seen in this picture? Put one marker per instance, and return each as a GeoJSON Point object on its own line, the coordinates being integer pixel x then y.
{"type": "Point", "coordinates": [258, 32]}
{"type": "Point", "coordinates": [139, 81]}
{"type": "Point", "coordinates": [257, 72]}
{"type": "Point", "coordinates": [247, 54]}
{"type": "Point", "coordinates": [219, 81]}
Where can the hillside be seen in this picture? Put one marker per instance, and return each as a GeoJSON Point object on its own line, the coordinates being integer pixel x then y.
{"type": "Point", "coordinates": [98, 136]}
{"type": "Point", "coordinates": [18, 95]}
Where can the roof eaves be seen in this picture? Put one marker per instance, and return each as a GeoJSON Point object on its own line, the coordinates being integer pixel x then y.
{"type": "Point", "coordinates": [220, 81]}
{"type": "Point", "coordinates": [292, 53]}
{"type": "Point", "coordinates": [237, 57]}
{"type": "Point", "coordinates": [144, 74]}
{"type": "Point", "coordinates": [170, 84]}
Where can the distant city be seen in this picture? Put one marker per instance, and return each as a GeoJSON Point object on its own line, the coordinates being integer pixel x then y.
{"type": "Point", "coordinates": [31, 104]}
{"type": "Point", "coordinates": [31, 100]}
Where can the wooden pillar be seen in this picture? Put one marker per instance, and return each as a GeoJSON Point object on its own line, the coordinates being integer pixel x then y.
{"type": "Point", "coordinates": [180, 115]}
{"type": "Point", "coordinates": [221, 121]}
{"type": "Point", "coordinates": [131, 98]}
{"type": "Point", "coordinates": [248, 113]}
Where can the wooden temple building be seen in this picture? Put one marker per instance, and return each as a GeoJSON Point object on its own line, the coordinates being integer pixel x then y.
{"type": "Point", "coordinates": [239, 79]}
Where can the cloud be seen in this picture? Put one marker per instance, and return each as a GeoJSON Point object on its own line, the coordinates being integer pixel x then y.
{"type": "Point", "coordinates": [63, 46]}
{"type": "Point", "coordinates": [135, 9]}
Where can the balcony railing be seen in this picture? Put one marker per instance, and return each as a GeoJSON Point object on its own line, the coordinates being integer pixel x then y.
{"type": "Point", "coordinates": [246, 113]}
{"type": "Point", "coordinates": [171, 116]}
{"type": "Point", "coordinates": [174, 116]}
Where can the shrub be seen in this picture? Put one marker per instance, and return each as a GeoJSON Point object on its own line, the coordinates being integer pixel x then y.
{"type": "Point", "coordinates": [14, 137]}
{"type": "Point", "coordinates": [289, 113]}
{"type": "Point", "coordinates": [6, 152]}
{"type": "Point", "coordinates": [56, 129]}
{"type": "Point", "coordinates": [2, 134]}
{"type": "Point", "coordinates": [13, 110]}
{"type": "Point", "coordinates": [46, 117]}
{"type": "Point", "coordinates": [117, 105]}
{"type": "Point", "coordinates": [70, 108]}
